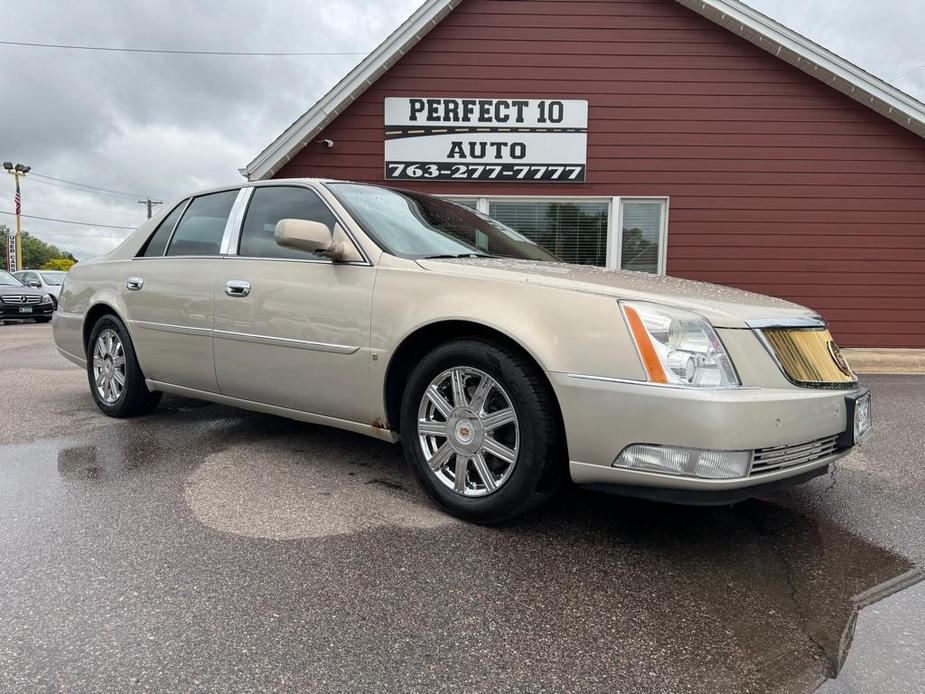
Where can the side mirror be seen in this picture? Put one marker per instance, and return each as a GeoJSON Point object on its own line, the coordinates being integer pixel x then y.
{"type": "Point", "coordinates": [34, 284]}
{"type": "Point", "coordinates": [306, 235]}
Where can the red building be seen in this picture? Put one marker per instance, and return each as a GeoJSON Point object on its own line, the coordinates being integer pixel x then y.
{"type": "Point", "coordinates": [721, 146]}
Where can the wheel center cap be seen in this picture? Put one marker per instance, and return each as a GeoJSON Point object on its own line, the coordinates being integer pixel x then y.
{"type": "Point", "coordinates": [464, 431]}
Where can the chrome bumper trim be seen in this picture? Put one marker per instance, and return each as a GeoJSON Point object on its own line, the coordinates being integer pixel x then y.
{"type": "Point", "coordinates": [587, 474]}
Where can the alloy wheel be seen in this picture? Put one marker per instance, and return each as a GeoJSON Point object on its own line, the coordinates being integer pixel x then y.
{"type": "Point", "coordinates": [468, 431]}
{"type": "Point", "coordinates": [109, 366]}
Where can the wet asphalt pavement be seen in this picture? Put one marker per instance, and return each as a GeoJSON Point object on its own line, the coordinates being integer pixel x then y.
{"type": "Point", "coordinates": [205, 548]}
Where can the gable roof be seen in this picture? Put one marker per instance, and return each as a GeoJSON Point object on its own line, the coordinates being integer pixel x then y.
{"type": "Point", "coordinates": [732, 15]}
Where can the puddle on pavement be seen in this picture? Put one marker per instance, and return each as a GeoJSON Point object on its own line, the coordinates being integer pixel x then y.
{"type": "Point", "coordinates": [883, 650]}
{"type": "Point", "coordinates": [254, 491]}
{"type": "Point", "coordinates": [802, 599]}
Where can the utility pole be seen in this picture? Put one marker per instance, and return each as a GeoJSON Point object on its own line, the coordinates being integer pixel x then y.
{"type": "Point", "coordinates": [150, 203]}
{"type": "Point", "coordinates": [18, 171]}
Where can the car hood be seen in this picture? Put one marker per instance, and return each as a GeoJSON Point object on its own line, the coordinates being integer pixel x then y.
{"type": "Point", "coordinates": [20, 291]}
{"type": "Point", "coordinates": [724, 307]}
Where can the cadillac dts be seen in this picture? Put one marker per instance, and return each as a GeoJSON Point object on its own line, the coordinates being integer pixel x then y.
{"type": "Point", "coordinates": [502, 371]}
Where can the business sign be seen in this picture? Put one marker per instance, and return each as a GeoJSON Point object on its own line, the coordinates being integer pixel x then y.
{"type": "Point", "coordinates": [11, 252]}
{"type": "Point", "coordinates": [457, 139]}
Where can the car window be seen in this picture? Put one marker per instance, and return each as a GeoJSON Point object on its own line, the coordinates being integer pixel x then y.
{"type": "Point", "coordinates": [158, 240]}
{"type": "Point", "coordinates": [31, 277]}
{"type": "Point", "coordinates": [8, 280]}
{"type": "Point", "coordinates": [415, 225]}
{"type": "Point", "coordinates": [53, 278]}
{"type": "Point", "coordinates": [201, 229]}
{"type": "Point", "coordinates": [270, 204]}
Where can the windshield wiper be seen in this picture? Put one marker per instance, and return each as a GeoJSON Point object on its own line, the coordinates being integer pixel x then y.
{"type": "Point", "coordinates": [458, 255]}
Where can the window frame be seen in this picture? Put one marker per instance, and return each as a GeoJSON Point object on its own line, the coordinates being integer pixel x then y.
{"type": "Point", "coordinates": [140, 253]}
{"type": "Point", "coordinates": [614, 221]}
{"type": "Point", "coordinates": [234, 241]}
{"type": "Point", "coordinates": [221, 242]}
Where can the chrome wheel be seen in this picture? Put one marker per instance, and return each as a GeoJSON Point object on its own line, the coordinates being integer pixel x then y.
{"type": "Point", "coordinates": [468, 431]}
{"type": "Point", "coordinates": [109, 366]}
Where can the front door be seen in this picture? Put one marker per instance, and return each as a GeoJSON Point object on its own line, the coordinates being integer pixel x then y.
{"type": "Point", "coordinates": [291, 327]}
{"type": "Point", "coordinates": [168, 292]}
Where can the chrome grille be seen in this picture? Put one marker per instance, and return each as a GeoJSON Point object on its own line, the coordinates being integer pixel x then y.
{"type": "Point", "coordinates": [781, 457]}
{"type": "Point", "coordinates": [20, 299]}
{"type": "Point", "coordinates": [809, 357]}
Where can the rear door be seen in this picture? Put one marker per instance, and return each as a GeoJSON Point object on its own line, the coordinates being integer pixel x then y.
{"type": "Point", "coordinates": [292, 327]}
{"type": "Point", "coordinates": [168, 292]}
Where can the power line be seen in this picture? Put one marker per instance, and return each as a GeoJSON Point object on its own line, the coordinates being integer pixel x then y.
{"type": "Point", "coordinates": [78, 189]}
{"type": "Point", "coordinates": [908, 72]}
{"type": "Point", "coordinates": [124, 213]}
{"type": "Point", "coordinates": [86, 186]}
{"type": "Point", "coordinates": [168, 51]}
{"type": "Point", "coordinates": [68, 221]}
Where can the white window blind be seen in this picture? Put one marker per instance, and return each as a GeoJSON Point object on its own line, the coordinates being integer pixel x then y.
{"type": "Point", "coordinates": [576, 232]}
{"type": "Point", "coordinates": [642, 234]}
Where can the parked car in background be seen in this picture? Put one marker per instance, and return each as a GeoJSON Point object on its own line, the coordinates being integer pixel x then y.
{"type": "Point", "coordinates": [404, 316]}
{"type": "Point", "coordinates": [49, 281]}
{"type": "Point", "coordinates": [19, 301]}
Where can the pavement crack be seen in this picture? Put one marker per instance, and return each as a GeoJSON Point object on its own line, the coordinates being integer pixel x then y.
{"type": "Point", "coordinates": [833, 480]}
{"type": "Point", "coordinates": [831, 664]}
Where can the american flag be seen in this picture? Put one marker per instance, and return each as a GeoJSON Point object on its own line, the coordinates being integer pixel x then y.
{"type": "Point", "coordinates": [18, 198]}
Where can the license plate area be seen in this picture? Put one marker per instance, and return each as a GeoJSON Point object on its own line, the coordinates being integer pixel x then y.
{"type": "Point", "coordinates": [858, 422]}
{"type": "Point", "coordinates": [25, 309]}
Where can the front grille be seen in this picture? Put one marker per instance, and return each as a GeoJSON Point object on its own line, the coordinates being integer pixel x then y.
{"type": "Point", "coordinates": [776, 458]}
{"type": "Point", "coordinates": [18, 299]}
{"type": "Point", "coordinates": [809, 357]}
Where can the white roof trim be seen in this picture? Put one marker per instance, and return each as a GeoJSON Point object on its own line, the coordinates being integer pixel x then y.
{"type": "Point", "coordinates": [814, 60]}
{"type": "Point", "coordinates": [733, 15]}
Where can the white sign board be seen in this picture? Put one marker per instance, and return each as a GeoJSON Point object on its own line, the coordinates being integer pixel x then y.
{"type": "Point", "coordinates": [463, 139]}
{"type": "Point", "coordinates": [11, 252]}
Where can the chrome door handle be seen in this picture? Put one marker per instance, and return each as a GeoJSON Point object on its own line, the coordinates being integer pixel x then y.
{"type": "Point", "coordinates": [134, 283]}
{"type": "Point", "coordinates": [237, 288]}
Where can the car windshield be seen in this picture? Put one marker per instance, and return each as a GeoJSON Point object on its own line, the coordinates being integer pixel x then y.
{"type": "Point", "coordinates": [415, 225]}
{"type": "Point", "coordinates": [54, 278]}
{"type": "Point", "coordinates": [7, 280]}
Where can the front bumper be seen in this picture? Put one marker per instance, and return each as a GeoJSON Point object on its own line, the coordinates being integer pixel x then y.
{"type": "Point", "coordinates": [602, 417]}
{"type": "Point", "coordinates": [10, 311]}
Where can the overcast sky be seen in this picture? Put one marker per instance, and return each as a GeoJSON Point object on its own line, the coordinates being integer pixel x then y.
{"type": "Point", "coordinates": [165, 125]}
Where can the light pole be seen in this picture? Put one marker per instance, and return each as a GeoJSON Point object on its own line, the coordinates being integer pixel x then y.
{"type": "Point", "coordinates": [18, 171]}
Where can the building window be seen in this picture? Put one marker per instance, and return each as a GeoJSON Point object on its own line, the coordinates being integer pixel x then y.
{"type": "Point", "coordinates": [642, 235]}
{"type": "Point", "coordinates": [575, 232]}
{"type": "Point", "coordinates": [626, 233]}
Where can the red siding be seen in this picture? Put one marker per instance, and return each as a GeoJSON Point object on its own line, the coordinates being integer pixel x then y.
{"type": "Point", "coordinates": [778, 184]}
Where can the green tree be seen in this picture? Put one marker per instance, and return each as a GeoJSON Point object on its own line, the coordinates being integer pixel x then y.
{"type": "Point", "coordinates": [35, 252]}
{"type": "Point", "coordinates": [63, 264]}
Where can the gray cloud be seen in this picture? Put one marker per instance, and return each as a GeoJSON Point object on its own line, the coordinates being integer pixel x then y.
{"type": "Point", "coordinates": [161, 125]}
{"type": "Point", "coordinates": [164, 125]}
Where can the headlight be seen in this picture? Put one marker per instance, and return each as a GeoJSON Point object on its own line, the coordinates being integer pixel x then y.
{"type": "Point", "coordinates": [679, 347]}
{"type": "Point", "coordinates": [46, 299]}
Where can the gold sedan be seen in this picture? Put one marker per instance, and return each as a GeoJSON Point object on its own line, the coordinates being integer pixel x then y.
{"type": "Point", "coordinates": [503, 372]}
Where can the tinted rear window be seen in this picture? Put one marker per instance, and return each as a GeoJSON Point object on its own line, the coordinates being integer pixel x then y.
{"type": "Point", "coordinates": [203, 225]}
{"type": "Point", "coordinates": [158, 240]}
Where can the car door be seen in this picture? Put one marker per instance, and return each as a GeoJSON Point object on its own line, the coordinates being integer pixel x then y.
{"type": "Point", "coordinates": [292, 327]}
{"type": "Point", "coordinates": [168, 292]}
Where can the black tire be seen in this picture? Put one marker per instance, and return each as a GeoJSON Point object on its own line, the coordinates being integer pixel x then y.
{"type": "Point", "coordinates": [43, 319]}
{"type": "Point", "coordinates": [541, 463]}
{"type": "Point", "coordinates": [135, 399]}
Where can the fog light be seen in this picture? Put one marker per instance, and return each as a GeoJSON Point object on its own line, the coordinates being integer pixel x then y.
{"type": "Point", "coordinates": [689, 462]}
